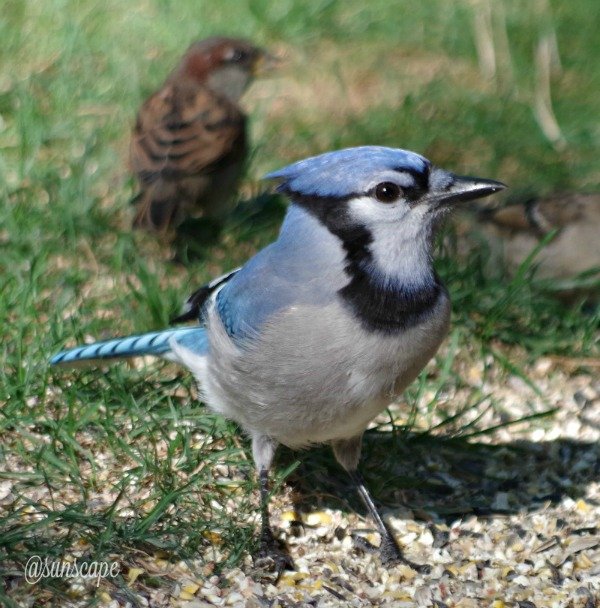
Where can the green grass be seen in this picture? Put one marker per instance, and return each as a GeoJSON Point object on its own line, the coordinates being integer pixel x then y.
{"type": "Point", "coordinates": [121, 460]}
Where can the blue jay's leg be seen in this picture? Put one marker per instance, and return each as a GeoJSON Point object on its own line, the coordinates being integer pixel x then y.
{"type": "Point", "coordinates": [263, 450]}
{"type": "Point", "coordinates": [347, 453]}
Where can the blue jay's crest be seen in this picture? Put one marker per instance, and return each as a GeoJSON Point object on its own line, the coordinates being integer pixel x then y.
{"type": "Point", "coordinates": [344, 173]}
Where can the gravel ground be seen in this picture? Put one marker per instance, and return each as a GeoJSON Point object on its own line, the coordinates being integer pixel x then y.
{"type": "Point", "coordinates": [509, 519]}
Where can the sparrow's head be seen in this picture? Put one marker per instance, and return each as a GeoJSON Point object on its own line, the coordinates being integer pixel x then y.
{"type": "Point", "coordinates": [226, 65]}
{"type": "Point", "coordinates": [385, 201]}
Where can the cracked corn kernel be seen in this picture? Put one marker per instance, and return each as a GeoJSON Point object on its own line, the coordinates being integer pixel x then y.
{"type": "Point", "coordinates": [214, 537]}
{"type": "Point", "coordinates": [133, 574]}
{"type": "Point", "coordinates": [318, 518]}
{"type": "Point", "coordinates": [190, 588]}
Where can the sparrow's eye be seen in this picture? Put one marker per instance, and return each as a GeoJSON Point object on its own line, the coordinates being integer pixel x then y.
{"type": "Point", "coordinates": [387, 192]}
{"type": "Point", "coordinates": [237, 55]}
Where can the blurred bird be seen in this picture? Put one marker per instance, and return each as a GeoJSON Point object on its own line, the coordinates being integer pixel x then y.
{"type": "Point", "coordinates": [565, 227]}
{"type": "Point", "coordinates": [322, 329]}
{"type": "Point", "coordinates": [189, 145]}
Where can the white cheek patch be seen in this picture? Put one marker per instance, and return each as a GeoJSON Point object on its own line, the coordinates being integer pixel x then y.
{"type": "Point", "coordinates": [367, 211]}
{"type": "Point", "coordinates": [402, 251]}
{"type": "Point", "coordinates": [400, 246]}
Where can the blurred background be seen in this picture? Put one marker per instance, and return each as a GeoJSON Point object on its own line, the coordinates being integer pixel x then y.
{"type": "Point", "coordinates": [498, 89]}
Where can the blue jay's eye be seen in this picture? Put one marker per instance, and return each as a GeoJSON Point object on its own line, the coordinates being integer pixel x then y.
{"type": "Point", "coordinates": [387, 192]}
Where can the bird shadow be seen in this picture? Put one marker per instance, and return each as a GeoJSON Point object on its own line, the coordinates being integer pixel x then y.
{"type": "Point", "coordinates": [445, 479]}
{"type": "Point", "coordinates": [196, 238]}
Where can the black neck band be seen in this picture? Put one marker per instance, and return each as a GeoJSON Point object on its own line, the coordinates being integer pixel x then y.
{"type": "Point", "coordinates": [380, 305]}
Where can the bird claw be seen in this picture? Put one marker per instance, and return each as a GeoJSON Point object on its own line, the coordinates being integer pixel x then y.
{"type": "Point", "coordinates": [390, 553]}
{"type": "Point", "coordinates": [360, 542]}
{"type": "Point", "coordinates": [271, 557]}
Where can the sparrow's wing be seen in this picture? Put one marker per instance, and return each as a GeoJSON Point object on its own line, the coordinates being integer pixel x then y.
{"type": "Point", "coordinates": [183, 130]}
{"type": "Point", "coordinates": [562, 210]}
{"type": "Point", "coordinates": [183, 133]}
{"type": "Point", "coordinates": [541, 216]}
{"type": "Point", "coordinates": [513, 217]}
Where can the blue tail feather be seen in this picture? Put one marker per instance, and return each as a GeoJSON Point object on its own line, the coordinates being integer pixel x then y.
{"type": "Point", "coordinates": [156, 343]}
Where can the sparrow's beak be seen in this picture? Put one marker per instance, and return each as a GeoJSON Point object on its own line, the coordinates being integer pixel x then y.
{"type": "Point", "coordinates": [459, 189]}
{"type": "Point", "coordinates": [265, 63]}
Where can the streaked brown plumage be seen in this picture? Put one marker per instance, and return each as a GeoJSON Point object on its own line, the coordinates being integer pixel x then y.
{"type": "Point", "coordinates": [189, 142]}
{"type": "Point", "coordinates": [514, 231]}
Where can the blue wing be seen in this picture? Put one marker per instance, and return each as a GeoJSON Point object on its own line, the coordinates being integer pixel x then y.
{"type": "Point", "coordinates": [194, 305]}
{"type": "Point", "coordinates": [301, 267]}
{"type": "Point", "coordinates": [304, 266]}
{"type": "Point", "coordinates": [256, 292]}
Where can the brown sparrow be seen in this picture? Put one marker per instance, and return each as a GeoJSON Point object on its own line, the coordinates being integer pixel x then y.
{"type": "Point", "coordinates": [566, 227]}
{"type": "Point", "coordinates": [189, 145]}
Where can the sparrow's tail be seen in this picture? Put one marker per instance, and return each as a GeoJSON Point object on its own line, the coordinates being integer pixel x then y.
{"type": "Point", "coordinates": [156, 343]}
{"type": "Point", "coordinates": [157, 209]}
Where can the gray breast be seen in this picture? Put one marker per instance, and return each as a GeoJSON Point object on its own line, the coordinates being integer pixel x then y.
{"type": "Point", "coordinates": [314, 374]}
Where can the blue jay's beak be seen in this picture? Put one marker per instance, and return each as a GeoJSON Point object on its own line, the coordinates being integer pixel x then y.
{"type": "Point", "coordinates": [465, 189]}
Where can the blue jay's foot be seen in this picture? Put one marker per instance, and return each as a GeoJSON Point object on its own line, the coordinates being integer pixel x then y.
{"type": "Point", "coordinates": [389, 552]}
{"type": "Point", "coordinates": [391, 555]}
{"type": "Point", "coordinates": [272, 555]}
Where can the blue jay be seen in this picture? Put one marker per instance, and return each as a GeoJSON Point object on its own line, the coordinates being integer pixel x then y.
{"type": "Point", "coordinates": [321, 330]}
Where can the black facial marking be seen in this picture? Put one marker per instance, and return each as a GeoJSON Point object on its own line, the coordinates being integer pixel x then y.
{"type": "Point", "coordinates": [380, 306]}
{"type": "Point", "coordinates": [421, 177]}
{"type": "Point", "coordinates": [412, 194]}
